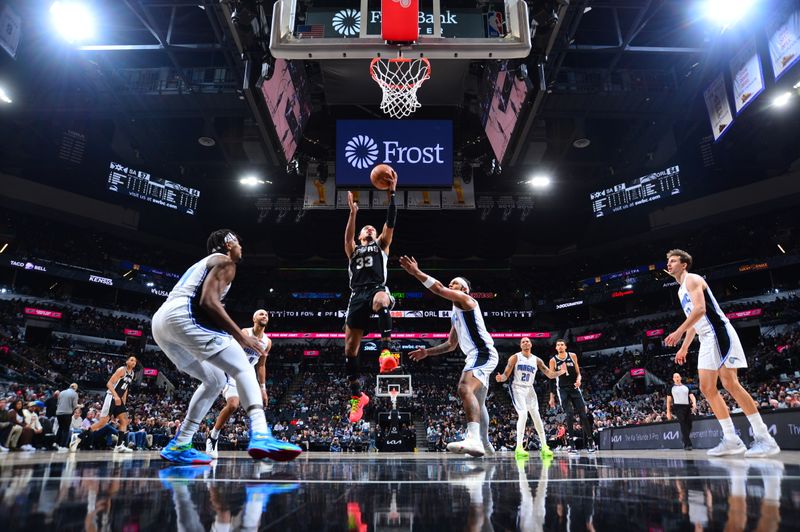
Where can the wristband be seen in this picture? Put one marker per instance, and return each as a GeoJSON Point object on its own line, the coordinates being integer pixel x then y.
{"type": "Point", "coordinates": [263, 386]}
{"type": "Point", "coordinates": [430, 281]}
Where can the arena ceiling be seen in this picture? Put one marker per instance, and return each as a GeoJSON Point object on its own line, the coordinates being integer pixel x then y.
{"type": "Point", "coordinates": [625, 74]}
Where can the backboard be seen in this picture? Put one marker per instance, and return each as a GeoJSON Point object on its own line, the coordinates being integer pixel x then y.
{"type": "Point", "coordinates": [351, 30]}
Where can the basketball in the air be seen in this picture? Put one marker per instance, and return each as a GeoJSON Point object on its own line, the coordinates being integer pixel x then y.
{"type": "Point", "coordinates": [381, 176]}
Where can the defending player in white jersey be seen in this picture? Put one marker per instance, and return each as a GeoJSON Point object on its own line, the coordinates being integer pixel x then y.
{"type": "Point", "coordinates": [468, 331]}
{"type": "Point", "coordinates": [720, 357]}
{"type": "Point", "coordinates": [231, 391]}
{"type": "Point", "coordinates": [523, 366]}
{"type": "Point", "coordinates": [197, 335]}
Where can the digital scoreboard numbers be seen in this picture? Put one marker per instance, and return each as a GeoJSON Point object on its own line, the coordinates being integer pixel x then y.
{"type": "Point", "coordinates": [652, 187]}
{"type": "Point", "coordinates": [142, 185]}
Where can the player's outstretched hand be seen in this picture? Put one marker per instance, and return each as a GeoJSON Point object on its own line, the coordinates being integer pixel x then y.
{"type": "Point", "coordinates": [409, 264]}
{"type": "Point", "coordinates": [500, 377]}
{"type": "Point", "coordinates": [352, 202]}
{"type": "Point", "coordinates": [673, 339]}
{"type": "Point", "coordinates": [418, 354]}
{"type": "Point", "coordinates": [680, 357]}
{"type": "Point", "coordinates": [392, 182]}
{"type": "Point", "coordinates": [251, 342]}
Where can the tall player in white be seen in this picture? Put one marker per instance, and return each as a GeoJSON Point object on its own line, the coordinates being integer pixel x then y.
{"type": "Point", "coordinates": [231, 391]}
{"type": "Point", "coordinates": [523, 365]}
{"type": "Point", "coordinates": [719, 358]}
{"type": "Point", "coordinates": [469, 332]}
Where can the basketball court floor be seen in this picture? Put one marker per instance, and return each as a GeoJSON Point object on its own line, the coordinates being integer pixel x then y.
{"type": "Point", "coordinates": [643, 490]}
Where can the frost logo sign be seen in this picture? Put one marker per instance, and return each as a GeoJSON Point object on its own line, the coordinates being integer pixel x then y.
{"type": "Point", "coordinates": [347, 22]}
{"type": "Point", "coordinates": [421, 151]}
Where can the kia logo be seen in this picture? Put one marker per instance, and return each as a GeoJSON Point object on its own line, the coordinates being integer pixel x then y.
{"type": "Point", "coordinates": [361, 152]}
{"type": "Point", "coordinates": [394, 442]}
{"type": "Point", "coordinates": [674, 435]}
{"type": "Point", "coordinates": [347, 22]}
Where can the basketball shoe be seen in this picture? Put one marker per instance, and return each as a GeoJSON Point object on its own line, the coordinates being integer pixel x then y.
{"type": "Point", "coordinates": [357, 405]}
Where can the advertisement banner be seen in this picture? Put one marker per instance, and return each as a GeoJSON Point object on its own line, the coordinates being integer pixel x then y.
{"type": "Point", "coordinates": [420, 200]}
{"type": "Point", "coordinates": [346, 22]}
{"type": "Point", "coordinates": [359, 196]}
{"type": "Point", "coordinates": [132, 332]}
{"type": "Point", "coordinates": [588, 337]}
{"type": "Point", "coordinates": [783, 34]}
{"type": "Point", "coordinates": [320, 191]}
{"type": "Point", "coordinates": [397, 335]}
{"type": "Point", "coordinates": [638, 372]}
{"type": "Point", "coordinates": [654, 332]}
{"type": "Point", "coordinates": [747, 76]}
{"type": "Point", "coordinates": [310, 353]}
{"type": "Point", "coordinates": [462, 196]}
{"type": "Point", "coordinates": [420, 151]}
{"type": "Point", "coordinates": [784, 425]}
{"type": "Point", "coordinates": [752, 313]}
{"type": "Point", "coordinates": [719, 109]}
{"type": "Point", "coordinates": [43, 313]}
{"type": "Point", "coordinates": [10, 30]}
{"type": "Point", "coordinates": [150, 372]}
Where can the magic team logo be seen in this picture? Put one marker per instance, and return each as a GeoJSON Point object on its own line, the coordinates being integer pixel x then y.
{"type": "Point", "coordinates": [361, 152]}
{"type": "Point", "coordinates": [347, 22]}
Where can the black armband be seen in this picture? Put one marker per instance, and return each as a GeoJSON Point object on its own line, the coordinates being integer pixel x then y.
{"type": "Point", "coordinates": [391, 213]}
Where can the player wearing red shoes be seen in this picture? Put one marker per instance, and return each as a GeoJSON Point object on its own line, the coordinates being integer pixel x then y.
{"type": "Point", "coordinates": [368, 263]}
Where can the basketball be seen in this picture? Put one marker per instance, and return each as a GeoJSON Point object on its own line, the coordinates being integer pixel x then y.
{"type": "Point", "coordinates": [381, 176]}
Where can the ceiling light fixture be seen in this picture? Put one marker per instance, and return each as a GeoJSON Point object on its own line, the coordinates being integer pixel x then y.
{"type": "Point", "coordinates": [72, 20]}
{"type": "Point", "coordinates": [782, 99]}
{"type": "Point", "coordinates": [726, 13]}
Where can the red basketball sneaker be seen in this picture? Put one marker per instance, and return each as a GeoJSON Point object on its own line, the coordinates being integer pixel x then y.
{"type": "Point", "coordinates": [357, 405]}
{"type": "Point", "coordinates": [388, 361]}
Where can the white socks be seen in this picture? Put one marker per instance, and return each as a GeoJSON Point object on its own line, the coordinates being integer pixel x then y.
{"type": "Point", "coordinates": [473, 430]}
{"type": "Point", "coordinates": [537, 423]}
{"type": "Point", "coordinates": [760, 430]}
{"type": "Point", "coordinates": [214, 434]}
{"type": "Point", "coordinates": [188, 428]}
{"type": "Point", "coordinates": [521, 421]}
{"type": "Point", "coordinates": [728, 431]}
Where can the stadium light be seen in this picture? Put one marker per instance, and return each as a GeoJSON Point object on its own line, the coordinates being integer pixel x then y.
{"type": "Point", "coordinates": [726, 13]}
{"type": "Point", "coordinates": [4, 97]}
{"type": "Point", "coordinates": [253, 181]}
{"type": "Point", "coordinates": [782, 99]}
{"type": "Point", "coordinates": [539, 181]}
{"type": "Point", "coordinates": [5, 246]}
{"type": "Point", "coordinates": [72, 20]}
{"type": "Point", "coordinates": [781, 248]}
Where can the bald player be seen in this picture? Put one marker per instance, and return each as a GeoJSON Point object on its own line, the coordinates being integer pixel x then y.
{"type": "Point", "coordinates": [230, 392]}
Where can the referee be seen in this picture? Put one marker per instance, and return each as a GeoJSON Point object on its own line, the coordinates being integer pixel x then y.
{"type": "Point", "coordinates": [678, 403]}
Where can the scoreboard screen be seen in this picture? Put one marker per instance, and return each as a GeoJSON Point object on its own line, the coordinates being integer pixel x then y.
{"type": "Point", "coordinates": [143, 186]}
{"type": "Point", "coordinates": [652, 187]}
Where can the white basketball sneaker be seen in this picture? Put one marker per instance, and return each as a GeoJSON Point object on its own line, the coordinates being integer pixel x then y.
{"type": "Point", "coordinates": [470, 446]}
{"type": "Point", "coordinates": [211, 448]}
{"type": "Point", "coordinates": [763, 447]}
{"type": "Point", "coordinates": [728, 446]}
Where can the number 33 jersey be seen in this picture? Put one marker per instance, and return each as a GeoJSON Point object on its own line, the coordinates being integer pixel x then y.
{"type": "Point", "coordinates": [368, 266]}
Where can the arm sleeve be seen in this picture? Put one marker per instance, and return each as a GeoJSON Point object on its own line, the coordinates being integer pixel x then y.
{"type": "Point", "coordinates": [391, 212]}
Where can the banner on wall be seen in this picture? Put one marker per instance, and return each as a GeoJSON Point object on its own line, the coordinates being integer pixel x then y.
{"type": "Point", "coordinates": [783, 34]}
{"type": "Point", "coordinates": [10, 30]}
{"type": "Point", "coordinates": [380, 200]}
{"type": "Point", "coordinates": [360, 196]}
{"type": "Point", "coordinates": [747, 75]}
{"type": "Point", "coordinates": [462, 196]}
{"type": "Point", "coordinates": [719, 109]}
{"type": "Point", "coordinates": [320, 190]}
{"type": "Point", "coordinates": [420, 200]}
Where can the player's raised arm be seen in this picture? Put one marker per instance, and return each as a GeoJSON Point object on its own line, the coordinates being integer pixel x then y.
{"type": "Point", "coordinates": [462, 299]}
{"type": "Point", "coordinates": [350, 228]}
{"type": "Point", "coordinates": [446, 347]}
{"type": "Point", "coordinates": [385, 238]}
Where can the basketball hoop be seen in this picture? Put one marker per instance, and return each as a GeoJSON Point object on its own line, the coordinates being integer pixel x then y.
{"type": "Point", "coordinates": [399, 78]}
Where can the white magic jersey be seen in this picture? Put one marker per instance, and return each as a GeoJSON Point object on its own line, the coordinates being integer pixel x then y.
{"type": "Point", "coordinates": [525, 370]}
{"type": "Point", "coordinates": [473, 338]}
{"type": "Point", "coordinates": [253, 356]}
{"type": "Point", "coordinates": [713, 323]}
{"type": "Point", "coordinates": [191, 283]}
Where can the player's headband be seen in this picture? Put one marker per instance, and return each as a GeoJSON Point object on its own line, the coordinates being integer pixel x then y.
{"type": "Point", "coordinates": [463, 282]}
{"type": "Point", "coordinates": [230, 237]}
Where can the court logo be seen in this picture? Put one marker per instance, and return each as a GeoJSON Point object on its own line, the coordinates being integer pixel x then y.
{"type": "Point", "coordinates": [361, 152]}
{"type": "Point", "coordinates": [672, 435]}
{"type": "Point", "coordinates": [347, 22]}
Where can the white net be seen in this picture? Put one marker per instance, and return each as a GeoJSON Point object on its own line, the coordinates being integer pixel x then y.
{"type": "Point", "coordinates": [399, 79]}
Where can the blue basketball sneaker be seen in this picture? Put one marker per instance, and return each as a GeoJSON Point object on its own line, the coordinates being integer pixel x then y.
{"type": "Point", "coordinates": [172, 475]}
{"type": "Point", "coordinates": [264, 445]}
{"type": "Point", "coordinates": [184, 454]}
{"type": "Point", "coordinates": [260, 493]}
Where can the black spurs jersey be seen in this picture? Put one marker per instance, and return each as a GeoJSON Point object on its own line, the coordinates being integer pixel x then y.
{"type": "Point", "coordinates": [124, 383]}
{"type": "Point", "coordinates": [568, 379]}
{"type": "Point", "coordinates": [367, 266]}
